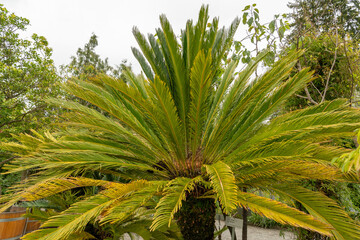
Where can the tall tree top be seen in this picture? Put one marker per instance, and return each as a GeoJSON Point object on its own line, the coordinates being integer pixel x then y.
{"type": "Point", "coordinates": [326, 14]}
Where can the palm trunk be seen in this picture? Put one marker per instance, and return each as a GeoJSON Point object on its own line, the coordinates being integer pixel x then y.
{"type": "Point", "coordinates": [196, 219]}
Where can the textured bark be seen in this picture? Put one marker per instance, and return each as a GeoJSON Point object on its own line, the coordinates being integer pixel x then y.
{"type": "Point", "coordinates": [196, 219]}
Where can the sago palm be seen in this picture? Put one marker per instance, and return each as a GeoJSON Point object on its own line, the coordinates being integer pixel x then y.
{"type": "Point", "coordinates": [189, 134]}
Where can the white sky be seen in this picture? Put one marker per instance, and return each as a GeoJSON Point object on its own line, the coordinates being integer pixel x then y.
{"type": "Point", "coordinates": [68, 24]}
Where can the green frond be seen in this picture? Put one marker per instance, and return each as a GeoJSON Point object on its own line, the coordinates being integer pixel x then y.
{"type": "Point", "coordinates": [223, 182]}
{"type": "Point", "coordinates": [160, 69]}
{"type": "Point", "coordinates": [33, 211]}
{"type": "Point", "coordinates": [193, 38]}
{"type": "Point", "coordinates": [140, 106]}
{"type": "Point", "coordinates": [285, 170]}
{"type": "Point", "coordinates": [282, 213]}
{"type": "Point", "coordinates": [99, 147]}
{"type": "Point", "coordinates": [225, 98]}
{"type": "Point", "coordinates": [146, 50]}
{"type": "Point", "coordinates": [226, 81]}
{"type": "Point", "coordinates": [75, 218]}
{"type": "Point", "coordinates": [54, 186]}
{"type": "Point", "coordinates": [167, 114]}
{"type": "Point", "coordinates": [209, 42]}
{"type": "Point", "coordinates": [50, 187]}
{"type": "Point", "coordinates": [234, 121]}
{"type": "Point", "coordinates": [264, 108]}
{"type": "Point", "coordinates": [285, 161]}
{"type": "Point", "coordinates": [141, 228]}
{"type": "Point", "coordinates": [200, 81]}
{"type": "Point", "coordinates": [72, 220]}
{"type": "Point", "coordinates": [298, 148]}
{"type": "Point", "coordinates": [174, 193]}
{"type": "Point", "coordinates": [74, 236]}
{"type": "Point", "coordinates": [109, 103]}
{"type": "Point", "coordinates": [350, 161]}
{"type": "Point", "coordinates": [122, 190]}
{"type": "Point", "coordinates": [82, 160]}
{"type": "Point", "coordinates": [326, 106]}
{"type": "Point", "coordinates": [126, 204]}
{"type": "Point", "coordinates": [26, 143]}
{"type": "Point", "coordinates": [326, 120]}
{"type": "Point", "coordinates": [138, 227]}
{"type": "Point", "coordinates": [324, 209]}
{"type": "Point", "coordinates": [144, 65]}
{"type": "Point", "coordinates": [92, 119]}
{"type": "Point", "coordinates": [136, 81]}
{"type": "Point", "coordinates": [179, 82]}
{"type": "Point", "coordinates": [223, 42]}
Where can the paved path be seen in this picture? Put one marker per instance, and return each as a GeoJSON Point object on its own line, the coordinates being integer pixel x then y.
{"type": "Point", "coordinates": [256, 233]}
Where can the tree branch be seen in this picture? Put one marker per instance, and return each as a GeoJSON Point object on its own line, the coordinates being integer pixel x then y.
{"type": "Point", "coordinates": [312, 84]}
{"type": "Point", "coordinates": [20, 117]}
{"type": "Point", "coordinates": [6, 161]}
{"type": "Point", "coordinates": [309, 96]}
{"type": "Point", "coordinates": [332, 67]}
{"type": "Point", "coordinates": [297, 95]}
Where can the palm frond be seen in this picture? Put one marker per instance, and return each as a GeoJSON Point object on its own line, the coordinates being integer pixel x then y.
{"type": "Point", "coordinates": [200, 81]}
{"type": "Point", "coordinates": [174, 193]}
{"type": "Point", "coordinates": [137, 82]}
{"type": "Point", "coordinates": [223, 182]}
{"type": "Point", "coordinates": [128, 201]}
{"type": "Point", "coordinates": [179, 82]}
{"type": "Point", "coordinates": [107, 102]}
{"type": "Point", "coordinates": [165, 106]}
{"type": "Point", "coordinates": [74, 236]}
{"type": "Point", "coordinates": [324, 209]}
{"type": "Point", "coordinates": [282, 213]}
{"type": "Point", "coordinates": [285, 170]}
{"type": "Point", "coordinates": [74, 219]}
{"type": "Point", "coordinates": [264, 108]}
{"type": "Point", "coordinates": [54, 186]}
{"type": "Point", "coordinates": [350, 161]}
{"type": "Point", "coordinates": [217, 98]}
{"type": "Point", "coordinates": [146, 50]}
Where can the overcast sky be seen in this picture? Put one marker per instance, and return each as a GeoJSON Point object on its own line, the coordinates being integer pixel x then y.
{"type": "Point", "coordinates": [68, 24]}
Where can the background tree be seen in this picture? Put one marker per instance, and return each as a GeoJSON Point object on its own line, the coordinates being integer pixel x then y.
{"type": "Point", "coordinates": [27, 77]}
{"type": "Point", "coordinates": [329, 31]}
{"type": "Point", "coordinates": [260, 36]}
{"type": "Point", "coordinates": [322, 14]}
{"type": "Point", "coordinates": [87, 63]}
{"type": "Point", "coordinates": [326, 55]}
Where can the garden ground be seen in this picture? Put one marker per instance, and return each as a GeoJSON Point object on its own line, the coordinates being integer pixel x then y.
{"type": "Point", "coordinates": [256, 233]}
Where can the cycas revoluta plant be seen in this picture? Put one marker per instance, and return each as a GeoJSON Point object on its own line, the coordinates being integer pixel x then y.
{"type": "Point", "coordinates": [188, 135]}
